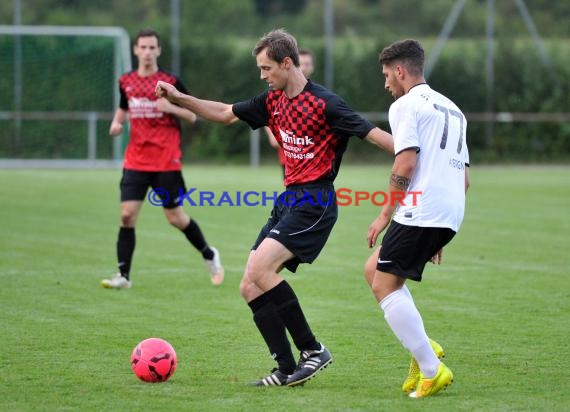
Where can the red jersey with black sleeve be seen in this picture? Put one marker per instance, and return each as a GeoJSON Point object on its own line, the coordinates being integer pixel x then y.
{"type": "Point", "coordinates": [154, 144]}
{"type": "Point", "coordinates": [312, 128]}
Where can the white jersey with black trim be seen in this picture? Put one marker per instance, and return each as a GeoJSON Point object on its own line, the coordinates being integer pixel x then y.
{"type": "Point", "coordinates": [432, 124]}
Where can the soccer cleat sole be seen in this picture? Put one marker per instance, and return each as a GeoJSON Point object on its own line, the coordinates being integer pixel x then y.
{"type": "Point", "coordinates": [301, 382]}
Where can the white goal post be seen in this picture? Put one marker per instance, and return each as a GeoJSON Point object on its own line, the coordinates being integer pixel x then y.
{"type": "Point", "coordinates": [121, 63]}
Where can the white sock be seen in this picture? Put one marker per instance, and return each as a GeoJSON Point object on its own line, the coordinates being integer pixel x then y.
{"type": "Point", "coordinates": [406, 322]}
{"type": "Point", "coordinates": [407, 292]}
{"type": "Point", "coordinates": [427, 360]}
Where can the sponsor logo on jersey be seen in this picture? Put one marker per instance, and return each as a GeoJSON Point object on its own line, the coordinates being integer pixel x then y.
{"type": "Point", "coordinates": [289, 137]}
{"type": "Point", "coordinates": [142, 107]}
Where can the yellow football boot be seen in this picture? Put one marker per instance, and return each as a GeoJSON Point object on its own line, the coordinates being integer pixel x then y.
{"type": "Point", "coordinates": [414, 371]}
{"type": "Point", "coordinates": [430, 386]}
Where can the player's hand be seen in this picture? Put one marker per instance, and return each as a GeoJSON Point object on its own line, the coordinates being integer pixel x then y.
{"type": "Point", "coordinates": [436, 259]}
{"type": "Point", "coordinates": [376, 227]}
{"type": "Point", "coordinates": [163, 105]}
{"type": "Point", "coordinates": [166, 90]}
{"type": "Point", "coordinates": [115, 129]}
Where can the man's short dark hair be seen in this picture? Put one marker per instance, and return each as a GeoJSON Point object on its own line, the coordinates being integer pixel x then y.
{"type": "Point", "coordinates": [147, 33]}
{"type": "Point", "coordinates": [279, 44]}
{"type": "Point", "coordinates": [408, 52]}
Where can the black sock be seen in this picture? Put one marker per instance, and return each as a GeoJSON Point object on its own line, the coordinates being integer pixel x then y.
{"type": "Point", "coordinates": [195, 236]}
{"type": "Point", "coordinates": [289, 310]}
{"type": "Point", "coordinates": [273, 331]}
{"type": "Point", "coordinates": [125, 249]}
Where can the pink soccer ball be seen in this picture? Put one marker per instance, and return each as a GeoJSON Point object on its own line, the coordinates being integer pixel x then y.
{"type": "Point", "coordinates": [153, 360]}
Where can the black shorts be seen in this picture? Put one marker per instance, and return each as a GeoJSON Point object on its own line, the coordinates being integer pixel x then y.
{"type": "Point", "coordinates": [166, 185]}
{"type": "Point", "coordinates": [302, 220]}
{"type": "Point", "coordinates": [406, 249]}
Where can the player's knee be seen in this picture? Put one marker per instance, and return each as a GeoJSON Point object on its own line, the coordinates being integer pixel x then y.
{"type": "Point", "coordinates": [177, 218]}
{"type": "Point", "coordinates": [381, 288]}
{"type": "Point", "coordinates": [175, 221]}
{"type": "Point", "coordinates": [128, 218]}
{"type": "Point", "coordinates": [247, 289]}
{"type": "Point", "coordinates": [378, 291]}
{"type": "Point", "coordinates": [253, 271]}
{"type": "Point", "coordinates": [244, 288]}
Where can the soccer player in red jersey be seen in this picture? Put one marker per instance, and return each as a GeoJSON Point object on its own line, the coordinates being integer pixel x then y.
{"type": "Point", "coordinates": [312, 125]}
{"type": "Point", "coordinates": [152, 158]}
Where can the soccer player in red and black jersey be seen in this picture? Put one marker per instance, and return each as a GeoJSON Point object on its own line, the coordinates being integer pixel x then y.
{"type": "Point", "coordinates": [152, 158]}
{"type": "Point", "coordinates": [313, 126]}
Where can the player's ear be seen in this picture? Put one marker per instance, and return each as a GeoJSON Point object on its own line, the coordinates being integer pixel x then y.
{"type": "Point", "coordinates": [287, 63]}
{"type": "Point", "coordinates": [400, 72]}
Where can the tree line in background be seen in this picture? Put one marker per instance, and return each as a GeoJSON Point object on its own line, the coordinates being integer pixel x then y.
{"type": "Point", "coordinates": [522, 84]}
{"type": "Point", "coordinates": [217, 63]}
{"type": "Point", "coordinates": [215, 18]}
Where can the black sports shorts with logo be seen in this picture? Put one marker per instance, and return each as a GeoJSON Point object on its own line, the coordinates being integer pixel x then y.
{"type": "Point", "coordinates": [166, 185]}
{"type": "Point", "coordinates": [406, 249]}
{"type": "Point", "coordinates": [302, 220]}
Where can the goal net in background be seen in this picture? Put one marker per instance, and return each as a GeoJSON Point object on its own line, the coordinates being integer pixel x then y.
{"type": "Point", "coordinates": [59, 91]}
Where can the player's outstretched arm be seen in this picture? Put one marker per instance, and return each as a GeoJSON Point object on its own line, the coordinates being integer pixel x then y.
{"type": "Point", "coordinates": [381, 139]}
{"type": "Point", "coordinates": [165, 106]}
{"type": "Point", "coordinates": [214, 111]}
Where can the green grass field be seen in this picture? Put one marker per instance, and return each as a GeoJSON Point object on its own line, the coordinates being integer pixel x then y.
{"type": "Point", "coordinates": [500, 302]}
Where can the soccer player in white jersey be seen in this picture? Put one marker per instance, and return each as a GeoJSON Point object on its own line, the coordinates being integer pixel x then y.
{"type": "Point", "coordinates": [431, 167]}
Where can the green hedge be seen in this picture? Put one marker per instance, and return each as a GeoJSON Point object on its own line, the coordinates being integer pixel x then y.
{"type": "Point", "coordinates": [224, 69]}
{"type": "Point", "coordinates": [227, 72]}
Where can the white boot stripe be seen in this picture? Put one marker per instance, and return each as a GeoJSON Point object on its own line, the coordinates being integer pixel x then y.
{"type": "Point", "coordinates": [271, 380]}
